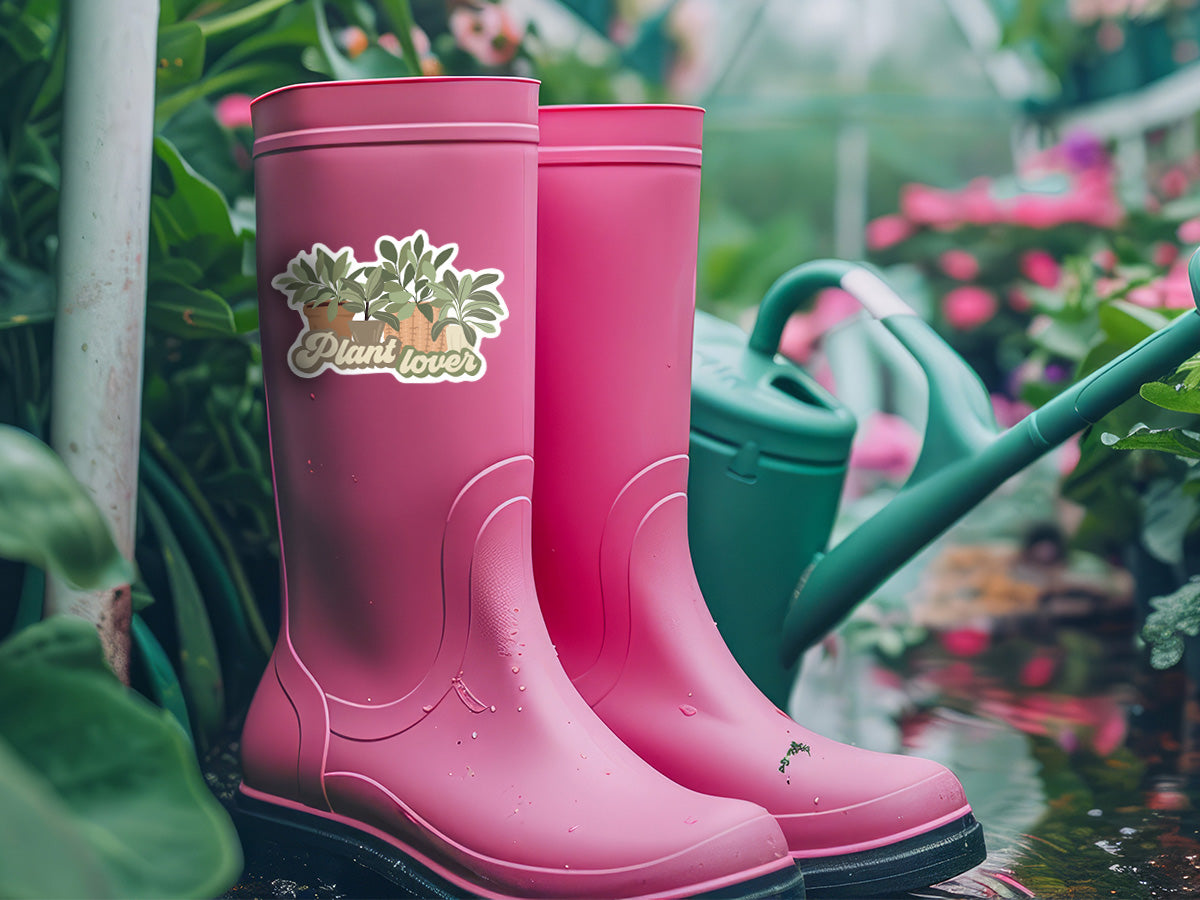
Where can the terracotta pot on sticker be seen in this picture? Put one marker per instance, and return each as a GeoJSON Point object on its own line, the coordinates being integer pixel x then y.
{"type": "Point", "coordinates": [318, 319]}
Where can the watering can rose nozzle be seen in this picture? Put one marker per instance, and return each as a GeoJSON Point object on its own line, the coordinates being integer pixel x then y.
{"type": "Point", "coordinates": [963, 459]}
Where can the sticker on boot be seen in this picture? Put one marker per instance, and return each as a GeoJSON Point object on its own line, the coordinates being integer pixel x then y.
{"type": "Point", "coordinates": [409, 312]}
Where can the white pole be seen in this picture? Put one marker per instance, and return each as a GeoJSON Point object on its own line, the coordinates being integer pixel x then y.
{"type": "Point", "coordinates": [104, 209]}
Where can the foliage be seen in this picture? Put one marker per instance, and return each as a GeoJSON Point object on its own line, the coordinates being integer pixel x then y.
{"type": "Point", "coordinates": [1175, 615]}
{"type": "Point", "coordinates": [89, 771]}
{"type": "Point", "coordinates": [102, 794]}
{"type": "Point", "coordinates": [47, 518]}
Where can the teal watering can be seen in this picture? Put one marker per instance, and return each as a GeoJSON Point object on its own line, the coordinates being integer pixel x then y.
{"type": "Point", "coordinates": [769, 449]}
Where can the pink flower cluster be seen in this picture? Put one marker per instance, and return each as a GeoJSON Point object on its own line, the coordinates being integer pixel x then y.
{"type": "Point", "coordinates": [1088, 196]}
{"type": "Point", "coordinates": [1090, 199]}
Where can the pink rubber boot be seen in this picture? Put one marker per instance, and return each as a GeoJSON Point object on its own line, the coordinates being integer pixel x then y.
{"type": "Point", "coordinates": [414, 714]}
{"type": "Point", "coordinates": [617, 227]}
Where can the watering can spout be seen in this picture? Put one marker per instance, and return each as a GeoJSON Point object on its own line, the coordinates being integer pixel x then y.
{"type": "Point", "coordinates": [963, 461]}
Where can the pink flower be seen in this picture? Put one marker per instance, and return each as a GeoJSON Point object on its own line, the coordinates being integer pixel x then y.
{"type": "Point", "coordinates": [1175, 288]}
{"type": "Point", "coordinates": [1009, 412]}
{"type": "Point", "coordinates": [887, 444]}
{"type": "Point", "coordinates": [978, 205]}
{"type": "Point", "coordinates": [1104, 260]}
{"type": "Point", "coordinates": [1173, 183]}
{"type": "Point", "coordinates": [968, 307]}
{"type": "Point", "coordinates": [1163, 254]}
{"type": "Point", "coordinates": [1147, 295]}
{"type": "Point", "coordinates": [1189, 232]}
{"type": "Point", "coordinates": [1110, 37]}
{"type": "Point", "coordinates": [804, 330]}
{"type": "Point", "coordinates": [925, 205]}
{"type": "Point", "coordinates": [1037, 671]}
{"type": "Point", "coordinates": [959, 264]}
{"type": "Point", "coordinates": [233, 110]}
{"type": "Point", "coordinates": [887, 231]}
{"type": "Point", "coordinates": [1068, 456]}
{"type": "Point", "coordinates": [486, 32]}
{"type": "Point", "coordinates": [1018, 300]}
{"type": "Point", "coordinates": [966, 641]}
{"type": "Point", "coordinates": [1040, 267]}
{"type": "Point", "coordinates": [354, 40]}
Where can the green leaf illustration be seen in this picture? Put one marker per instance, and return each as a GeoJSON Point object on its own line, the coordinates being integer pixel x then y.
{"type": "Point", "coordinates": [486, 278]}
{"type": "Point", "coordinates": [445, 255]}
{"type": "Point", "coordinates": [389, 251]}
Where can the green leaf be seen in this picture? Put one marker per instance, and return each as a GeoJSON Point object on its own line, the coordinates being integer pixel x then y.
{"type": "Point", "coordinates": [485, 279]}
{"type": "Point", "coordinates": [165, 689]}
{"type": "Point", "coordinates": [426, 269]}
{"type": "Point", "coordinates": [186, 311]}
{"type": "Point", "coordinates": [419, 246]}
{"type": "Point", "coordinates": [1172, 396]}
{"type": "Point", "coordinates": [355, 306]}
{"type": "Point", "coordinates": [27, 295]}
{"type": "Point", "coordinates": [1174, 615]}
{"type": "Point", "coordinates": [486, 328]}
{"type": "Point", "coordinates": [180, 57]}
{"type": "Point", "coordinates": [485, 297]}
{"type": "Point", "coordinates": [465, 286]}
{"type": "Point", "coordinates": [445, 255]}
{"type": "Point", "coordinates": [389, 318]}
{"type": "Point", "coordinates": [48, 518]}
{"type": "Point", "coordinates": [440, 325]}
{"type": "Point", "coordinates": [426, 309]}
{"type": "Point", "coordinates": [469, 333]}
{"type": "Point", "coordinates": [1166, 440]}
{"type": "Point", "coordinates": [442, 293]}
{"type": "Point", "coordinates": [410, 272]}
{"type": "Point", "coordinates": [197, 648]}
{"type": "Point", "coordinates": [450, 280]}
{"type": "Point", "coordinates": [482, 315]}
{"type": "Point", "coordinates": [308, 271]}
{"type": "Point", "coordinates": [389, 251]}
{"type": "Point", "coordinates": [103, 797]}
{"type": "Point", "coordinates": [331, 311]}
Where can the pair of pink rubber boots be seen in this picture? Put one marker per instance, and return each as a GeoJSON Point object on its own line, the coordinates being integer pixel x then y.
{"type": "Point", "coordinates": [415, 712]}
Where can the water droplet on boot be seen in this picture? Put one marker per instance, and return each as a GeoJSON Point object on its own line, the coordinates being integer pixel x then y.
{"type": "Point", "coordinates": [583, 756]}
{"type": "Point", "coordinates": [521, 688]}
{"type": "Point", "coordinates": [519, 708]}
{"type": "Point", "coordinates": [516, 669]}
{"type": "Point", "coordinates": [312, 396]}
{"type": "Point", "coordinates": [427, 708]}
{"type": "Point", "coordinates": [816, 800]}
{"type": "Point", "coordinates": [572, 829]}
{"type": "Point", "coordinates": [493, 708]}
{"type": "Point", "coordinates": [687, 709]}
{"type": "Point", "coordinates": [474, 734]}
{"type": "Point", "coordinates": [690, 820]}
{"type": "Point", "coordinates": [354, 478]}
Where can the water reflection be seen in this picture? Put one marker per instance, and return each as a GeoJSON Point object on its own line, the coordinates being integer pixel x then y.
{"type": "Point", "coordinates": [1074, 754]}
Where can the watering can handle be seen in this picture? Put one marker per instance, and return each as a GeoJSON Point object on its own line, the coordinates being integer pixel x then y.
{"type": "Point", "coordinates": [960, 417]}
{"type": "Point", "coordinates": [837, 581]}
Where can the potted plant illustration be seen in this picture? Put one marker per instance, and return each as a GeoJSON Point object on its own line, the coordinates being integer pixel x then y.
{"type": "Point", "coordinates": [381, 301]}
{"type": "Point", "coordinates": [465, 301]}
{"type": "Point", "coordinates": [411, 271]}
{"type": "Point", "coordinates": [325, 289]}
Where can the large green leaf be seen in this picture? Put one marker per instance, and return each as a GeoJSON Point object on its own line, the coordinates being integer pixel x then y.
{"type": "Point", "coordinates": [48, 518]}
{"type": "Point", "coordinates": [1172, 396]}
{"type": "Point", "coordinates": [1168, 440]}
{"type": "Point", "coordinates": [186, 311]}
{"type": "Point", "coordinates": [101, 793]}
{"type": "Point", "coordinates": [180, 57]}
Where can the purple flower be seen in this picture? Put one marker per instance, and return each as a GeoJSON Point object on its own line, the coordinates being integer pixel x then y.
{"type": "Point", "coordinates": [1083, 150]}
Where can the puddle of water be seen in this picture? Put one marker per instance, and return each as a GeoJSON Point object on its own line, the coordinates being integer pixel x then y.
{"type": "Point", "coordinates": [1077, 758]}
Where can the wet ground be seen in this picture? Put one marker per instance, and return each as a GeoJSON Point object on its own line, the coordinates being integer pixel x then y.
{"type": "Point", "coordinates": [1023, 676]}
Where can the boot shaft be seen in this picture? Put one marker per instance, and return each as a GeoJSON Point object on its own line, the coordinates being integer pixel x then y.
{"type": "Point", "coordinates": [424, 183]}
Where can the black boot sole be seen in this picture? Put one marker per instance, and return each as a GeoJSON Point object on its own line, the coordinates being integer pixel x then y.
{"type": "Point", "coordinates": [917, 862]}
